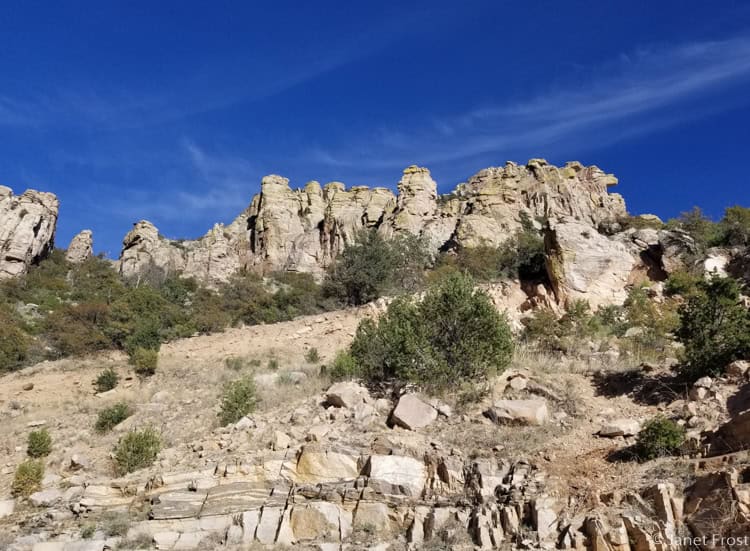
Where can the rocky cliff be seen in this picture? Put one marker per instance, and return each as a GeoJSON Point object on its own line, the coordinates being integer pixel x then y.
{"type": "Point", "coordinates": [27, 229]}
{"type": "Point", "coordinates": [304, 229]}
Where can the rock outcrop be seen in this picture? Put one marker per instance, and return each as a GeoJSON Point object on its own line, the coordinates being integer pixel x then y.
{"type": "Point", "coordinates": [304, 229]}
{"type": "Point", "coordinates": [27, 229]}
{"type": "Point", "coordinates": [583, 264]}
{"type": "Point", "coordinates": [81, 247]}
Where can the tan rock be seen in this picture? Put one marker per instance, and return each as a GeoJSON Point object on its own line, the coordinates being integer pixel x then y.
{"type": "Point", "coordinates": [319, 465]}
{"type": "Point", "coordinates": [527, 412]}
{"type": "Point", "coordinates": [413, 413]}
{"type": "Point", "coordinates": [395, 474]}
{"type": "Point", "coordinates": [27, 229]}
{"type": "Point", "coordinates": [585, 265]}
{"type": "Point", "coordinates": [81, 247]}
{"type": "Point", "coordinates": [620, 427]}
{"type": "Point", "coordinates": [347, 395]}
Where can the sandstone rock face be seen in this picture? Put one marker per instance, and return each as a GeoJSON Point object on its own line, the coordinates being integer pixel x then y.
{"type": "Point", "coordinates": [583, 264]}
{"type": "Point", "coordinates": [27, 229]}
{"type": "Point", "coordinates": [304, 229]}
{"type": "Point", "coordinates": [81, 247]}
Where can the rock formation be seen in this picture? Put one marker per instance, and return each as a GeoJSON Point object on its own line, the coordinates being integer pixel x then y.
{"type": "Point", "coordinates": [304, 229]}
{"type": "Point", "coordinates": [81, 247]}
{"type": "Point", "coordinates": [27, 229]}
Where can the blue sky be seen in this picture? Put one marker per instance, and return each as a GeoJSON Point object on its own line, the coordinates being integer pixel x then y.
{"type": "Point", "coordinates": [173, 111]}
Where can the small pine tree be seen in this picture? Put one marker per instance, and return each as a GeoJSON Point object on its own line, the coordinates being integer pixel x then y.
{"type": "Point", "coordinates": [714, 327]}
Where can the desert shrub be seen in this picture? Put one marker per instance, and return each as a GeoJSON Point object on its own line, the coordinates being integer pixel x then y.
{"type": "Point", "coordinates": [681, 283]}
{"type": "Point", "coordinates": [136, 450]}
{"type": "Point", "coordinates": [39, 443]}
{"type": "Point", "coordinates": [79, 329]}
{"type": "Point", "coordinates": [88, 531]}
{"type": "Point", "coordinates": [115, 524]}
{"type": "Point", "coordinates": [138, 541]}
{"type": "Point", "coordinates": [654, 324]}
{"type": "Point", "coordinates": [343, 367]}
{"type": "Point", "coordinates": [273, 364]}
{"type": "Point", "coordinates": [522, 255]}
{"type": "Point", "coordinates": [701, 228]}
{"type": "Point", "coordinates": [639, 223]}
{"type": "Point", "coordinates": [249, 300]}
{"type": "Point", "coordinates": [550, 333]}
{"type": "Point", "coordinates": [144, 361]}
{"type": "Point", "coordinates": [238, 400]}
{"type": "Point", "coordinates": [207, 312]}
{"type": "Point", "coordinates": [298, 294]}
{"type": "Point", "coordinates": [735, 226]}
{"type": "Point", "coordinates": [106, 380]}
{"type": "Point", "coordinates": [112, 416]}
{"type": "Point", "coordinates": [659, 437]}
{"type": "Point", "coordinates": [312, 356]}
{"type": "Point", "coordinates": [28, 478]}
{"type": "Point", "coordinates": [14, 342]}
{"type": "Point", "coordinates": [714, 327]}
{"type": "Point", "coordinates": [372, 266]}
{"type": "Point", "coordinates": [235, 363]}
{"type": "Point", "coordinates": [453, 333]}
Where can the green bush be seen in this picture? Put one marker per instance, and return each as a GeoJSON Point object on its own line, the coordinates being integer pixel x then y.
{"type": "Point", "coordinates": [567, 333]}
{"type": "Point", "coordinates": [681, 283]}
{"type": "Point", "coordinates": [39, 443]}
{"type": "Point", "coordinates": [372, 266]}
{"type": "Point", "coordinates": [88, 531]}
{"type": "Point", "coordinates": [28, 478]}
{"type": "Point", "coordinates": [736, 226]}
{"type": "Point", "coordinates": [112, 416]}
{"type": "Point", "coordinates": [344, 367]}
{"type": "Point", "coordinates": [702, 229]}
{"type": "Point", "coordinates": [136, 450]}
{"type": "Point", "coordinates": [14, 343]}
{"type": "Point", "coordinates": [312, 356]}
{"type": "Point", "coordinates": [144, 361]}
{"type": "Point", "coordinates": [660, 437]}
{"type": "Point", "coordinates": [714, 327]}
{"type": "Point", "coordinates": [235, 363]}
{"type": "Point", "coordinates": [106, 380]}
{"type": "Point", "coordinates": [115, 524]}
{"type": "Point", "coordinates": [238, 400]}
{"type": "Point", "coordinates": [78, 329]}
{"type": "Point", "coordinates": [521, 255]}
{"type": "Point", "coordinates": [453, 334]}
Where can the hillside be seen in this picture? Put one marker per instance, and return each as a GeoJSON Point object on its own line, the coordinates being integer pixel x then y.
{"type": "Point", "coordinates": [520, 364]}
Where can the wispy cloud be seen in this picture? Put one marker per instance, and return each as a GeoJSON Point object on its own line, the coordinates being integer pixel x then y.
{"type": "Point", "coordinates": [218, 83]}
{"type": "Point", "coordinates": [208, 185]}
{"type": "Point", "coordinates": [636, 93]}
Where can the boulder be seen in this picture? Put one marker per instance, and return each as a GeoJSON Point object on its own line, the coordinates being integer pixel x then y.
{"type": "Point", "coordinates": [525, 412]}
{"type": "Point", "coordinates": [393, 474]}
{"type": "Point", "coordinates": [81, 247]}
{"type": "Point", "coordinates": [7, 506]}
{"type": "Point", "coordinates": [413, 413]}
{"type": "Point", "coordinates": [347, 395]}
{"type": "Point", "coordinates": [27, 229]}
{"type": "Point", "coordinates": [45, 498]}
{"type": "Point", "coordinates": [738, 369]}
{"type": "Point", "coordinates": [583, 264]}
{"type": "Point", "coordinates": [620, 427]}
